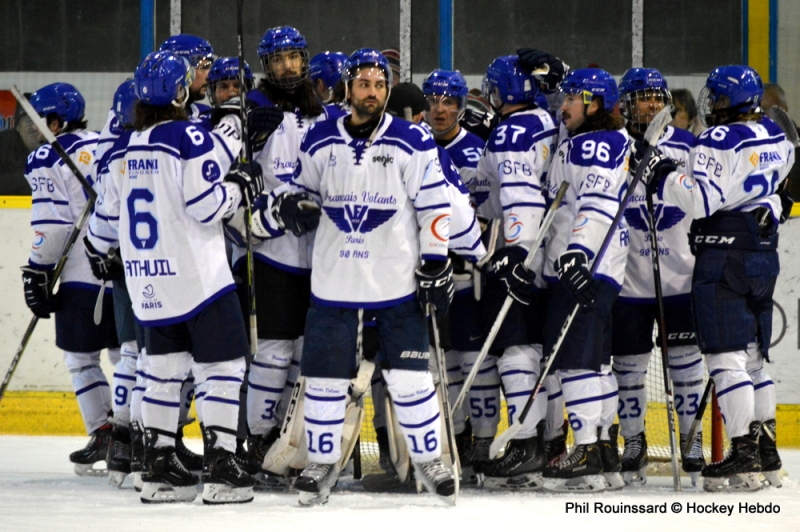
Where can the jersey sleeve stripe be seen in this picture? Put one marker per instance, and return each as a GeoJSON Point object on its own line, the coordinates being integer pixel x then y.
{"type": "Point", "coordinates": [201, 196]}
{"type": "Point", "coordinates": [521, 184]}
{"type": "Point", "coordinates": [589, 253]}
{"type": "Point", "coordinates": [598, 211]}
{"type": "Point", "coordinates": [48, 200]}
{"type": "Point", "coordinates": [51, 222]}
{"type": "Point", "coordinates": [524, 204]}
{"type": "Point", "coordinates": [430, 207]}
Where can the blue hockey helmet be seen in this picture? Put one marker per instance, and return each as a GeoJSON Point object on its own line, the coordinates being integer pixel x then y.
{"type": "Point", "coordinates": [449, 83]}
{"type": "Point", "coordinates": [592, 82]}
{"type": "Point", "coordinates": [195, 49]}
{"type": "Point", "coordinates": [61, 99]}
{"type": "Point", "coordinates": [124, 102]}
{"type": "Point", "coordinates": [278, 41]}
{"type": "Point", "coordinates": [225, 68]}
{"type": "Point", "coordinates": [730, 90]}
{"type": "Point", "coordinates": [327, 66]}
{"type": "Point", "coordinates": [163, 78]}
{"type": "Point", "coordinates": [506, 83]}
{"type": "Point", "coordinates": [639, 85]}
{"type": "Point", "coordinates": [366, 57]}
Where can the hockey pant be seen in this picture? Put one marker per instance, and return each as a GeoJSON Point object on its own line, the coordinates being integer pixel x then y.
{"type": "Point", "coordinates": [519, 369]}
{"type": "Point", "coordinates": [91, 388]}
{"type": "Point", "coordinates": [483, 398]}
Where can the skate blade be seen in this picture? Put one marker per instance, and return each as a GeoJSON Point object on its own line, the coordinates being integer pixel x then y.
{"type": "Point", "coordinates": [694, 476]}
{"type": "Point", "coordinates": [88, 470]}
{"type": "Point", "coordinates": [526, 482]}
{"type": "Point", "coordinates": [430, 488]}
{"type": "Point", "coordinates": [614, 481]}
{"type": "Point", "coordinates": [116, 478]}
{"type": "Point", "coordinates": [772, 479]}
{"type": "Point", "coordinates": [313, 498]}
{"type": "Point", "coordinates": [586, 484]}
{"type": "Point", "coordinates": [224, 494]}
{"type": "Point", "coordinates": [735, 483]}
{"type": "Point", "coordinates": [468, 476]}
{"type": "Point", "coordinates": [635, 478]}
{"type": "Point", "coordinates": [137, 481]}
{"type": "Point", "coordinates": [157, 492]}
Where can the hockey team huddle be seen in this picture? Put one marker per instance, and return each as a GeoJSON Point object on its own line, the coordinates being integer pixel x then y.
{"type": "Point", "coordinates": [402, 242]}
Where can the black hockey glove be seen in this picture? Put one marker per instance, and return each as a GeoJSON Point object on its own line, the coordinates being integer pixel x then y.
{"type": "Point", "coordinates": [435, 286]}
{"type": "Point", "coordinates": [571, 269]}
{"type": "Point", "coordinates": [297, 213]}
{"type": "Point", "coordinates": [36, 285]}
{"type": "Point", "coordinates": [533, 60]}
{"type": "Point", "coordinates": [231, 107]}
{"type": "Point", "coordinates": [104, 267]}
{"type": "Point", "coordinates": [507, 264]}
{"type": "Point", "coordinates": [658, 168]}
{"type": "Point", "coordinates": [479, 123]}
{"type": "Point", "coordinates": [787, 202]}
{"type": "Point", "coordinates": [249, 178]}
{"type": "Point", "coordinates": [261, 123]}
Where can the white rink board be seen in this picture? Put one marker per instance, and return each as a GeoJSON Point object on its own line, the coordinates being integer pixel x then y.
{"type": "Point", "coordinates": [42, 367]}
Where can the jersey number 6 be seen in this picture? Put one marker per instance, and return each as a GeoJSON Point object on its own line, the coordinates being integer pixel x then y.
{"type": "Point", "coordinates": [142, 238]}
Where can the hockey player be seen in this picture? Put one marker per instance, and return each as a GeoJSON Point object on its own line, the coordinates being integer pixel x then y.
{"type": "Point", "coordinates": [223, 80]}
{"type": "Point", "coordinates": [166, 196]}
{"type": "Point", "coordinates": [643, 93]}
{"type": "Point", "coordinates": [385, 212]}
{"type": "Point", "coordinates": [593, 160]}
{"type": "Point", "coordinates": [200, 55]}
{"type": "Point", "coordinates": [514, 164]}
{"type": "Point", "coordinates": [58, 199]}
{"type": "Point", "coordinates": [731, 189]}
{"type": "Point", "coordinates": [325, 70]}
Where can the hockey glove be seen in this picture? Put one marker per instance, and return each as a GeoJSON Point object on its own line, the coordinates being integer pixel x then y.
{"type": "Point", "coordinates": [787, 202]}
{"type": "Point", "coordinates": [533, 60]}
{"type": "Point", "coordinates": [435, 286]}
{"type": "Point", "coordinates": [36, 285]}
{"type": "Point", "coordinates": [507, 264]}
{"type": "Point", "coordinates": [479, 123]}
{"type": "Point", "coordinates": [104, 267]}
{"type": "Point", "coordinates": [463, 270]}
{"type": "Point", "coordinates": [231, 107]}
{"type": "Point", "coordinates": [249, 178]}
{"type": "Point", "coordinates": [657, 169]}
{"type": "Point", "coordinates": [571, 269]}
{"type": "Point", "coordinates": [297, 213]}
{"type": "Point", "coordinates": [261, 123]}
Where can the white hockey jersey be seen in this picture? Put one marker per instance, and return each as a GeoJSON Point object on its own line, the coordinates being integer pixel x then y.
{"type": "Point", "coordinates": [737, 167]}
{"type": "Point", "coordinates": [595, 164]}
{"type": "Point", "coordinates": [57, 201]}
{"type": "Point", "coordinates": [676, 261]}
{"type": "Point", "coordinates": [465, 150]}
{"type": "Point", "coordinates": [164, 198]}
{"type": "Point", "coordinates": [385, 207]}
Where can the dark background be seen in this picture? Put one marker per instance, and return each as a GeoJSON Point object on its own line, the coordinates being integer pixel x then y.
{"type": "Point", "coordinates": [681, 36]}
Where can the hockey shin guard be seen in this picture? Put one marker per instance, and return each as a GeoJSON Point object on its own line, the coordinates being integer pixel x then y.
{"type": "Point", "coordinates": [325, 406]}
{"type": "Point", "coordinates": [291, 378]}
{"type": "Point", "coordinates": [138, 391]}
{"type": "Point", "coordinates": [583, 398]}
{"type": "Point", "coordinates": [519, 369]}
{"type": "Point", "coordinates": [630, 372]}
{"type": "Point", "coordinates": [165, 375]}
{"type": "Point", "coordinates": [734, 391]}
{"type": "Point", "coordinates": [554, 421]}
{"type": "Point", "coordinates": [686, 372]}
{"type": "Point", "coordinates": [268, 373]}
{"type": "Point", "coordinates": [763, 387]}
{"type": "Point", "coordinates": [417, 409]}
{"type": "Point", "coordinates": [483, 397]}
{"type": "Point", "coordinates": [91, 388]}
{"type": "Point", "coordinates": [220, 383]}
{"type": "Point", "coordinates": [608, 386]}
{"type": "Point", "coordinates": [123, 383]}
{"type": "Point", "coordinates": [455, 381]}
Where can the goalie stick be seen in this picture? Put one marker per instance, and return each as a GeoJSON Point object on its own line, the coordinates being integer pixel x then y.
{"type": "Point", "coordinates": [501, 316]}
{"type": "Point", "coordinates": [73, 237]}
{"type": "Point", "coordinates": [654, 132]}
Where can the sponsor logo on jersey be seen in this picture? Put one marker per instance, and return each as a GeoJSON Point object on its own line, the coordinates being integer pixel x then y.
{"type": "Point", "coordinates": [211, 171]}
{"type": "Point", "coordinates": [151, 268]}
{"type": "Point", "coordinates": [84, 157]}
{"type": "Point", "coordinates": [514, 228]}
{"type": "Point", "coordinates": [332, 160]}
{"type": "Point", "coordinates": [355, 218]}
{"type": "Point", "coordinates": [38, 239]}
{"type": "Point", "coordinates": [754, 159]}
{"type": "Point", "coordinates": [768, 159]}
{"type": "Point", "coordinates": [441, 227]}
{"type": "Point", "coordinates": [383, 159]}
{"type": "Point", "coordinates": [580, 223]}
{"type": "Point", "coordinates": [142, 166]}
{"type": "Point", "coordinates": [277, 164]}
{"type": "Point", "coordinates": [687, 182]}
{"type": "Point", "coordinates": [149, 293]}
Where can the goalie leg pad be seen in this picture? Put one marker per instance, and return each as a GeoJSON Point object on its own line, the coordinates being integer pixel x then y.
{"type": "Point", "coordinates": [686, 372]}
{"type": "Point", "coordinates": [161, 401]}
{"type": "Point", "coordinates": [91, 388]}
{"type": "Point", "coordinates": [734, 390]}
{"type": "Point", "coordinates": [417, 408]}
{"type": "Point", "coordinates": [325, 408]}
{"type": "Point", "coordinates": [519, 369]}
{"type": "Point", "coordinates": [219, 384]}
{"type": "Point", "coordinates": [630, 372]}
{"type": "Point", "coordinates": [484, 395]}
{"type": "Point", "coordinates": [291, 378]}
{"type": "Point", "coordinates": [268, 377]}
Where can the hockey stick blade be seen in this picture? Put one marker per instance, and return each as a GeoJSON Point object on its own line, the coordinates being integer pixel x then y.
{"type": "Point", "coordinates": [781, 118]}
{"type": "Point", "coordinates": [498, 322]}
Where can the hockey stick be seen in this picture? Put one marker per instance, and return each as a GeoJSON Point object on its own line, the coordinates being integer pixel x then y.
{"type": "Point", "coordinates": [654, 132]}
{"type": "Point", "coordinates": [246, 155]}
{"type": "Point", "coordinates": [98, 305]}
{"type": "Point", "coordinates": [73, 237]}
{"type": "Point", "coordinates": [501, 316]}
{"type": "Point", "coordinates": [447, 411]}
{"type": "Point", "coordinates": [781, 118]}
{"type": "Point", "coordinates": [698, 417]}
{"type": "Point", "coordinates": [662, 329]}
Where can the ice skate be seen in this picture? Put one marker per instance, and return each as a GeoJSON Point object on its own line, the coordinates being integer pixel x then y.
{"type": "Point", "coordinates": [95, 451]}
{"type": "Point", "coordinates": [479, 458]}
{"type": "Point", "coordinates": [612, 466]}
{"type": "Point", "coordinates": [119, 456]}
{"type": "Point", "coordinates": [436, 478]}
{"type": "Point", "coordinates": [740, 470]}
{"type": "Point", "coordinates": [315, 483]}
{"type": "Point", "coordinates": [137, 454]}
{"type": "Point", "coordinates": [694, 462]}
{"type": "Point", "coordinates": [224, 481]}
{"type": "Point", "coordinates": [464, 446]}
{"type": "Point", "coordinates": [520, 468]}
{"type": "Point", "coordinates": [580, 471]}
{"type": "Point", "coordinates": [190, 460]}
{"type": "Point", "coordinates": [164, 478]}
{"type": "Point", "coordinates": [556, 449]}
{"type": "Point", "coordinates": [768, 452]}
{"type": "Point", "coordinates": [634, 460]}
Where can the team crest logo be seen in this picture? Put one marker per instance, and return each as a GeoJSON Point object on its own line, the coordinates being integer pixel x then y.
{"type": "Point", "coordinates": [513, 228]}
{"type": "Point", "coordinates": [358, 146]}
{"type": "Point", "coordinates": [441, 227]}
{"type": "Point", "coordinates": [354, 218]}
{"type": "Point", "coordinates": [666, 217]}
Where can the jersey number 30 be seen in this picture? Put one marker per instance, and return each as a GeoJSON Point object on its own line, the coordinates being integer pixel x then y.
{"type": "Point", "coordinates": [143, 225]}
